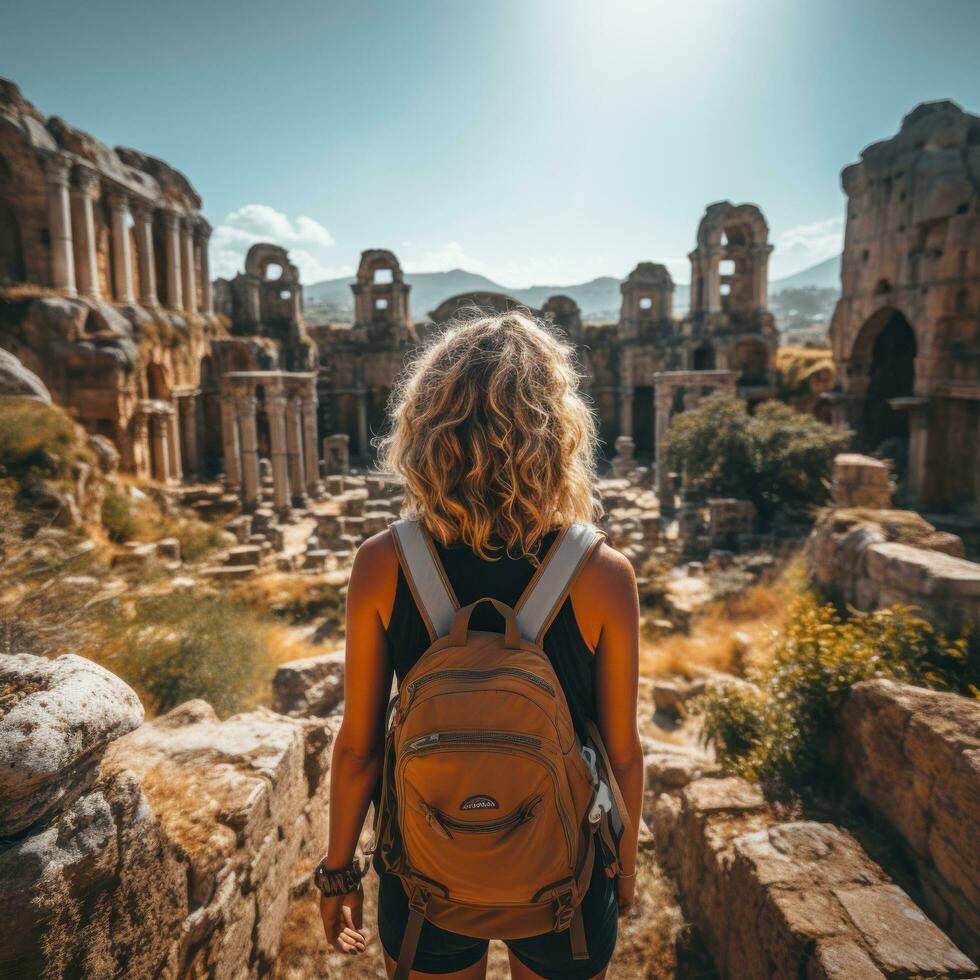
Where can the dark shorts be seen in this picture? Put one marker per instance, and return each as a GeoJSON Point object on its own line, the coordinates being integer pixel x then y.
{"type": "Point", "coordinates": [549, 955]}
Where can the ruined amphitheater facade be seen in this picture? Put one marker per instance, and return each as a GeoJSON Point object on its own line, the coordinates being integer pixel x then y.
{"type": "Point", "coordinates": [729, 328]}
{"type": "Point", "coordinates": [106, 295]}
{"type": "Point", "coordinates": [906, 331]}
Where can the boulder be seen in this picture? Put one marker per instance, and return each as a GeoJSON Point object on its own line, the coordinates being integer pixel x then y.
{"type": "Point", "coordinates": [57, 717]}
{"type": "Point", "coordinates": [313, 686]}
{"type": "Point", "coordinates": [15, 379]}
{"type": "Point", "coordinates": [96, 892]}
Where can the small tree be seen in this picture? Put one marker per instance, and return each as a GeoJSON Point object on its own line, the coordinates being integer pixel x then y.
{"type": "Point", "coordinates": [776, 458]}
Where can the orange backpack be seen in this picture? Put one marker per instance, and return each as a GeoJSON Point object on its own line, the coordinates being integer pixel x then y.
{"type": "Point", "coordinates": [491, 806]}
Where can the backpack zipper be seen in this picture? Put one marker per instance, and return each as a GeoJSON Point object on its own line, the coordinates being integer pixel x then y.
{"type": "Point", "coordinates": [440, 738]}
{"type": "Point", "coordinates": [521, 743]}
{"type": "Point", "coordinates": [461, 674]}
{"type": "Point", "coordinates": [522, 814]}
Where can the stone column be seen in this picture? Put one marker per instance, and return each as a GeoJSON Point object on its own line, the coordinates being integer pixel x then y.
{"type": "Point", "coordinates": [173, 445]}
{"type": "Point", "coordinates": [204, 243]}
{"type": "Point", "coordinates": [294, 451]}
{"type": "Point", "coordinates": [122, 265]}
{"type": "Point", "coordinates": [663, 397]}
{"type": "Point", "coordinates": [161, 455]}
{"type": "Point", "coordinates": [188, 425]}
{"type": "Point", "coordinates": [918, 415]}
{"type": "Point", "coordinates": [86, 193]}
{"type": "Point", "coordinates": [57, 169]}
{"type": "Point", "coordinates": [275, 407]}
{"type": "Point", "coordinates": [626, 411]}
{"type": "Point", "coordinates": [230, 442]}
{"type": "Point", "coordinates": [712, 285]}
{"type": "Point", "coordinates": [140, 446]}
{"type": "Point", "coordinates": [310, 445]}
{"type": "Point", "coordinates": [761, 270]}
{"type": "Point", "coordinates": [143, 216]}
{"type": "Point", "coordinates": [187, 265]}
{"type": "Point", "coordinates": [175, 296]}
{"type": "Point", "coordinates": [362, 422]}
{"type": "Point", "coordinates": [246, 405]}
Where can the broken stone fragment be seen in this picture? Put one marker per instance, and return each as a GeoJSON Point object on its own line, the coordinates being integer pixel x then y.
{"type": "Point", "coordinates": [57, 717]}
{"type": "Point", "coordinates": [313, 686]}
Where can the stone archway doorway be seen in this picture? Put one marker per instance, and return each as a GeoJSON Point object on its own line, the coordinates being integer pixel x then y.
{"type": "Point", "coordinates": [891, 351]}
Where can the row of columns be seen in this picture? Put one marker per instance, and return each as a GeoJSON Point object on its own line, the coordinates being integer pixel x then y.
{"type": "Point", "coordinates": [291, 414]}
{"type": "Point", "coordinates": [185, 242]}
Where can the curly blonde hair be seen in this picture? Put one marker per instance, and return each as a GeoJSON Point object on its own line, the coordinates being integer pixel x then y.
{"type": "Point", "coordinates": [491, 436]}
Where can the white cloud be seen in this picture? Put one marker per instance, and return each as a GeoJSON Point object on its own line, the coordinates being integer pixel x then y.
{"type": "Point", "coordinates": [261, 223]}
{"type": "Point", "coordinates": [806, 245]}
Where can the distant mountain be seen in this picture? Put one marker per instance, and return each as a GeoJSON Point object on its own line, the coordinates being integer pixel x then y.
{"type": "Point", "coordinates": [824, 275]}
{"type": "Point", "coordinates": [598, 299]}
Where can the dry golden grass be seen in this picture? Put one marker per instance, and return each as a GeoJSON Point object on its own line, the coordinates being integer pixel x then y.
{"type": "Point", "coordinates": [729, 634]}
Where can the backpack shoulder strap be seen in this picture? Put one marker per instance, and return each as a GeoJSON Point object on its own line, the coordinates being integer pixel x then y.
{"type": "Point", "coordinates": [546, 592]}
{"type": "Point", "coordinates": [431, 589]}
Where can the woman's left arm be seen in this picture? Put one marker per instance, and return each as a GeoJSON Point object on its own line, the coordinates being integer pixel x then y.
{"type": "Point", "coordinates": [617, 680]}
{"type": "Point", "coordinates": [359, 746]}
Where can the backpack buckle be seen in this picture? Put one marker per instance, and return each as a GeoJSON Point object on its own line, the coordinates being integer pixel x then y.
{"type": "Point", "coordinates": [564, 911]}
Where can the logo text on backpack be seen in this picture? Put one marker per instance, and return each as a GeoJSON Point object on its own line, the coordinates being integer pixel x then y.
{"type": "Point", "coordinates": [479, 803]}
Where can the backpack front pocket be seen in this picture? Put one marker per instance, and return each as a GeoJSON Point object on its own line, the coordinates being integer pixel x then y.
{"type": "Point", "coordinates": [480, 811]}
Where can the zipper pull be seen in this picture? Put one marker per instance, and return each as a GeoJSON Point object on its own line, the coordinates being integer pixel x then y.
{"type": "Point", "coordinates": [432, 818]}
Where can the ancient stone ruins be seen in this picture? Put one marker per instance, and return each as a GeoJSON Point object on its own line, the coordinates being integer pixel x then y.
{"type": "Point", "coordinates": [180, 845]}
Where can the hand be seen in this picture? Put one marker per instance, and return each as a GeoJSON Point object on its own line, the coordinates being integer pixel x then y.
{"type": "Point", "coordinates": [625, 893]}
{"type": "Point", "coordinates": [342, 921]}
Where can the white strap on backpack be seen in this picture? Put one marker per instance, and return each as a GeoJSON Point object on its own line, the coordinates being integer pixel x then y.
{"type": "Point", "coordinates": [536, 608]}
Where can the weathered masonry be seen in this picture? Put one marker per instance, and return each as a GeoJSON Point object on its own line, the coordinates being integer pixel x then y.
{"type": "Point", "coordinates": [906, 332]}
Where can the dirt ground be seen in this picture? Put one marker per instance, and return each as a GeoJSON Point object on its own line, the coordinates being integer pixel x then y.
{"type": "Point", "coordinates": [645, 950]}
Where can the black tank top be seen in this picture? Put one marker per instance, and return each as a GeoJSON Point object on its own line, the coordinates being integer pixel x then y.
{"type": "Point", "coordinates": [505, 579]}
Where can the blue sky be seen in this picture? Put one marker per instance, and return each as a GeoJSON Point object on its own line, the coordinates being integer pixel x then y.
{"type": "Point", "coordinates": [535, 141]}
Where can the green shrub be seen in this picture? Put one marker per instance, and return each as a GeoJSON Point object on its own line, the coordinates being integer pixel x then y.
{"type": "Point", "coordinates": [779, 731]}
{"type": "Point", "coordinates": [36, 438]}
{"type": "Point", "coordinates": [777, 458]}
{"type": "Point", "coordinates": [117, 515]}
{"type": "Point", "coordinates": [179, 647]}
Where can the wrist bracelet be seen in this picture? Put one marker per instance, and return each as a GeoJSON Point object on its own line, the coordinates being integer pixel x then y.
{"type": "Point", "coordinates": [333, 882]}
{"type": "Point", "coordinates": [632, 874]}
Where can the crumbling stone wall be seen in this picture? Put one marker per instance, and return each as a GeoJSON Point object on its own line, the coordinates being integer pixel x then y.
{"type": "Point", "coordinates": [777, 900]}
{"type": "Point", "coordinates": [167, 849]}
{"type": "Point", "coordinates": [875, 558]}
{"type": "Point", "coordinates": [908, 321]}
{"type": "Point", "coordinates": [914, 755]}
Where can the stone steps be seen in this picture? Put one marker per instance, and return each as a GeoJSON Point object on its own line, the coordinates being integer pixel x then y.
{"type": "Point", "coordinates": [776, 899]}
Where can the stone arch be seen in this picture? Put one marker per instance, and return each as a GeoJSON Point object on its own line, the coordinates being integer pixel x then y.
{"type": "Point", "coordinates": [883, 361]}
{"type": "Point", "coordinates": [380, 292]}
{"type": "Point", "coordinates": [485, 304]}
{"type": "Point", "coordinates": [647, 298]}
{"type": "Point", "coordinates": [564, 312]}
{"type": "Point", "coordinates": [375, 262]}
{"type": "Point", "coordinates": [157, 385]}
{"type": "Point", "coordinates": [263, 258]}
{"type": "Point", "coordinates": [730, 265]}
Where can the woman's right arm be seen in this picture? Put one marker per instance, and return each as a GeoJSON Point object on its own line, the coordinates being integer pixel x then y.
{"type": "Point", "coordinates": [359, 745]}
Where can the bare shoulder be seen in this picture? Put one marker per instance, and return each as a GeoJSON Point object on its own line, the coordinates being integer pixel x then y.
{"type": "Point", "coordinates": [374, 575]}
{"type": "Point", "coordinates": [604, 589]}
